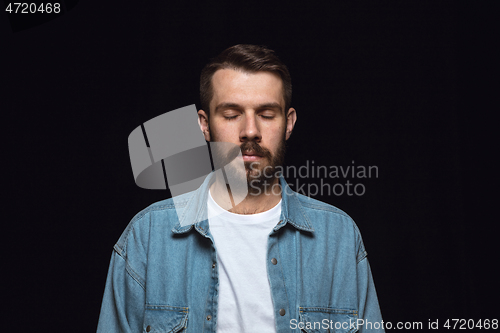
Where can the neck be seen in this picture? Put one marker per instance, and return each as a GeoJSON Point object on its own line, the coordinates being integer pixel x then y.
{"type": "Point", "coordinates": [260, 202]}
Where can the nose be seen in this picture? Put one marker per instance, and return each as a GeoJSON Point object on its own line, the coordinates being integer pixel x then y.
{"type": "Point", "coordinates": [250, 130]}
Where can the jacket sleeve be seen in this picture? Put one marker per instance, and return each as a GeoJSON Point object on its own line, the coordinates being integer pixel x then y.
{"type": "Point", "coordinates": [123, 302]}
{"type": "Point", "coordinates": [370, 318]}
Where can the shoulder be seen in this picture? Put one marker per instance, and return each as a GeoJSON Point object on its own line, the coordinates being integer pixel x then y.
{"type": "Point", "coordinates": [321, 212]}
{"type": "Point", "coordinates": [158, 217]}
{"type": "Point", "coordinates": [314, 204]}
{"type": "Point", "coordinates": [332, 222]}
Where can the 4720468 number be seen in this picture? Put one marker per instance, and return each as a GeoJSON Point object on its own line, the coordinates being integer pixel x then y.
{"type": "Point", "coordinates": [464, 324]}
{"type": "Point", "coordinates": [32, 8]}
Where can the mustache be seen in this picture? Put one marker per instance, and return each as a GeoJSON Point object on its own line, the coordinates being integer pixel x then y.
{"type": "Point", "coordinates": [256, 148]}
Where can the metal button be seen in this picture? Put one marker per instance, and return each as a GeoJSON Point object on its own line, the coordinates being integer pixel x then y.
{"type": "Point", "coordinates": [282, 312]}
{"type": "Point", "coordinates": [209, 317]}
{"type": "Point", "coordinates": [213, 265]}
{"type": "Point", "coordinates": [148, 328]}
{"type": "Point", "coordinates": [274, 261]}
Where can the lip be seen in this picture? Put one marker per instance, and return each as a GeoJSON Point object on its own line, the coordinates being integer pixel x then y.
{"type": "Point", "coordinates": [251, 156]}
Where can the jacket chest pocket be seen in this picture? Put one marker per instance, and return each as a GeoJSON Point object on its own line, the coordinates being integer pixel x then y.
{"type": "Point", "coordinates": [165, 319]}
{"type": "Point", "coordinates": [327, 320]}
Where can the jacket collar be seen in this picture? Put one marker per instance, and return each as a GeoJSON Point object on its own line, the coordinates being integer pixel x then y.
{"type": "Point", "coordinates": [195, 209]}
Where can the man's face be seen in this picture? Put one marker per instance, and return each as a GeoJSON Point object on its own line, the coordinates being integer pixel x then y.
{"type": "Point", "coordinates": [247, 109]}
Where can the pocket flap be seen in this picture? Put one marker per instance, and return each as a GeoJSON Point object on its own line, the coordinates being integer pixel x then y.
{"type": "Point", "coordinates": [164, 319]}
{"type": "Point", "coordinates": [327, 320]}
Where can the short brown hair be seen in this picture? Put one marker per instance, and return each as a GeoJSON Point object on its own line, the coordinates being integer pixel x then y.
{"type": "Point", "coordinates": [248, 58]}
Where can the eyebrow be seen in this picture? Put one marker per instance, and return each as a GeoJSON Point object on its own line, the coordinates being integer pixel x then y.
{"type": "Point", "coordinates": [237, 106]}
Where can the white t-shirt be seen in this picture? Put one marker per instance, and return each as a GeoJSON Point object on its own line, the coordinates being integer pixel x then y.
{"type": "Point", "coordinates": [245, 302]}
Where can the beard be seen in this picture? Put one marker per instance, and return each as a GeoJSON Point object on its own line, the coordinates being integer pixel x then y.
{"type": "Point", "coordinates": [262, 174]}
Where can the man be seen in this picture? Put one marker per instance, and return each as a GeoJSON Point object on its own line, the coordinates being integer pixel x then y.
{"type": "Point", "coordinates": [276, 262]}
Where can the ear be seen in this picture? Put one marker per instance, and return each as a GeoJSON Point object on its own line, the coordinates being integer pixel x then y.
{"type": "Point", "coordinates": [203, 122]}
{"type": "Point", "coordinates": [291, 118]}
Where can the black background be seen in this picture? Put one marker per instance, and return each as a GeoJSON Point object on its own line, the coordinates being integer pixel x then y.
{"type": "Point", "coordinates": [402, 85]}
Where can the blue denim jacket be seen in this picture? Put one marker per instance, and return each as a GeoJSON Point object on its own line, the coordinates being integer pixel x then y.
{"type": "Point", "coordinates": [164, 277]}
